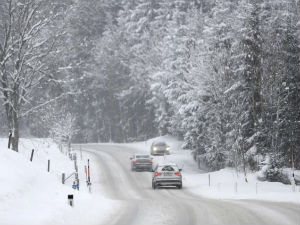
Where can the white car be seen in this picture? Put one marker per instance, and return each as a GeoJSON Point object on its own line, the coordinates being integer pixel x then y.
{"type": "Point", "coordinates": [167, 174]}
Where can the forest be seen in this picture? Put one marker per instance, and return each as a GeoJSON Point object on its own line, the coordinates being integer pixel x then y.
{"type": "Point", "coordinates": [222, 75]}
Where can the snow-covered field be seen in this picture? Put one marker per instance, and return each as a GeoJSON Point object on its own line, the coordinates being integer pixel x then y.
{"type": "Point", "coordinates": [224, 184]}
{"type": "Point", "coordinates": [31, 195]}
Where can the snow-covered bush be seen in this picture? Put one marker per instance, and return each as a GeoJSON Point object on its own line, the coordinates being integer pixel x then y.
{"type": "Point", "coordinates": [276, 173]}
{"type": "Point", "coordinates": [211, 161]}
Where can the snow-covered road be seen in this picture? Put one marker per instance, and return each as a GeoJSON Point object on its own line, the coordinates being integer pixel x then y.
{"type": "Point", "coordinates": [144, 206]}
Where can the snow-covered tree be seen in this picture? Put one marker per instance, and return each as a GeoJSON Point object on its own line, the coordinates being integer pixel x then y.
{"type": "Point", "coordinates": [27, 42]}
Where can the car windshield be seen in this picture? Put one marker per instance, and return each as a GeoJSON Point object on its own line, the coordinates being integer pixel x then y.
{"type": "Point", "coordinates": [168, 168]}
{"type": "Point", "coordinates": [160, 144]}
{"type": "Point", "coordinates": [142, 156]}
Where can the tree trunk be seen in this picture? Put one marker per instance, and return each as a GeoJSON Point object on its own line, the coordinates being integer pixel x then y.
{"type": "Point", "coordinates": [15, 139]}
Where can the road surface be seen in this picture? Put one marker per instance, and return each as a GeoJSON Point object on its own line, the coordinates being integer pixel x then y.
{"type": "Point", "coordinates": [144, 206]}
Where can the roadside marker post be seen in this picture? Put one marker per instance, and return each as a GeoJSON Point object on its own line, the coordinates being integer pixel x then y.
{"type": "Point", "coordinates": [76, 182]}
{"type": "Point", "coordinates": [293, 174]}
{"type": "Point", "coordinates": [48, 165]}
{"type": "Point", "coordinates": [256, 190]}
{"type": "Point", "coordinates": [293, 185]}
{"type": "Point", "coordinates": [70, 200]}
{"type": "Point", "coordinates": [9, 139]}
{"type": "Point", "coordinates": [219, 186]}
{"type": "Point", "coordinates": [85, 171]}
{"type": "Point", "coordinates": [80, 153]}
{"type": "Point", "coordinates": [88, 172]}
{"type": "Point", "coordinates": [31, 157]}
{"type": "Point", "coordinates": [235, 187]}
{"type": "Point", "coordinates": [63, 176]}
{"type": "Point", "coordinates": [89, 184]}
{"type": "Point", "coordinates": [209, 179]}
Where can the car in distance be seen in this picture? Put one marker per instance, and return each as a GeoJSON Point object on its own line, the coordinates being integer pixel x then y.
{"type": "Point", "coordinates": [166, 174]}
{"type": "Point", "coordinates": [160, 148]}
{"type": "Point", "coordinates": [141, 162]}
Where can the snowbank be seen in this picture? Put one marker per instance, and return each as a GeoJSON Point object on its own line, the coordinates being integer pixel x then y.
{"type": "Point", "coordinates": [31, 195]}
{"type": "Point", "coordinates": [225, 183]}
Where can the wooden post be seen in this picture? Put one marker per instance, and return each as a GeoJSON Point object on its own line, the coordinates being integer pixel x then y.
{"type": "Point", "coordinates": [9, 139]}
{"type": "Point", "coordinates": [31, 157]}
{"type": "Point", "coordinates": [88, 172]}
{"type": "Point", "coordinates": [293, 185]}
{"type": "Point", "coordinates": [256, 190]}
{"type": "Point", "coordinates": [63, 178]}
{"type": "Point", "coordinates": [235, 187]}
{"type": "Point", "coordinates": [70, 200]}
{"type": "Point", "coordinates": [48, 165]}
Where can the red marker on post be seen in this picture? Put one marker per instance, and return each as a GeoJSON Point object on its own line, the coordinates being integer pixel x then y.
{"type": "Point", "coordinates": [89, 176]}
{"type": "Point", "coordinates": [88, 172]}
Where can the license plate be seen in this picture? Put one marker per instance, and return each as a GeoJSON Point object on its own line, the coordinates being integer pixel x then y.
{"type": "Point", "coordinates": [168, 173]}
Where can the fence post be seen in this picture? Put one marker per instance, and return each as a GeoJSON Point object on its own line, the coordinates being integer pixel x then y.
{"type": "Point", "coordinates": [89, 177]}
{"type": "Point", "coordinates": [235, 187]}
{"type": "Point", "coordinates": [48, 165]}
{"type": "Point", "coordinates": [70, 200]}
{"type": "Point", "coordinates": [63, 178]}
{"type": "Point", "coordinates": [9, 139]}
{"type": "Point", "coordinates": [31, 157]}
{"type": "Point", "coordinates": [293, 185]}
{"type": "Point", "coordinates": [80, 153]}
{"type": "Point", "coordinates": [256, 190]}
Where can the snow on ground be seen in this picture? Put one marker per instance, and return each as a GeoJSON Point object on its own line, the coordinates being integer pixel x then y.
{"type": "Point", "coordinates": [225, 183]}
{"type": "Point", "coordinates": [31, 195]}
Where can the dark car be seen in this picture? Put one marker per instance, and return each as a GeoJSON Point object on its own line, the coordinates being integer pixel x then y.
{"type": "Point", "coordinates": [160, 148]}
{"type": "Point", "coordinates": [141, 162]}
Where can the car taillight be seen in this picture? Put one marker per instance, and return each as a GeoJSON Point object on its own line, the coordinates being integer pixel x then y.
{"type": "Point", "coordinates": [150, 161]}
{"type": "Point", "coordinates": [134, 161]}
{"type": "Point", "coordinates": [157, 174]}
{"type": "Point", "coordinates": [178, 174]}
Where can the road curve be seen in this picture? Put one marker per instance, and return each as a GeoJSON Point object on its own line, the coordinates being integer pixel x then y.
{"type": "Point", "coordinates": [145, 206]}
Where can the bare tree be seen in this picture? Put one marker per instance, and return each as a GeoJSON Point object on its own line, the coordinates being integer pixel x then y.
{"type": "Point", "coordinates": [26, 44]}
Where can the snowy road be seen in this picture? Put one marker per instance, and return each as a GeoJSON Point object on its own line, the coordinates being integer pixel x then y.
{"type": "Point", "coordinates": [144, 206]}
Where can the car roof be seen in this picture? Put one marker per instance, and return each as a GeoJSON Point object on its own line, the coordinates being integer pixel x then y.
{"type": "Point", "coordinates": [159, 143]}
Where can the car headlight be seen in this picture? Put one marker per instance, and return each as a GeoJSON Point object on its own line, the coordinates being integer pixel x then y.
{"type": "Point", "coordinates": [155, 148]}
{"type": "Point", "coordinates": [168, 148]}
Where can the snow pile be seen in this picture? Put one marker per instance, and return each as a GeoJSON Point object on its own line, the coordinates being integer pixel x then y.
{"type": "Point", "coordinates": [31, 195]}
{"type": "Point", "coordinates": [225, 183]}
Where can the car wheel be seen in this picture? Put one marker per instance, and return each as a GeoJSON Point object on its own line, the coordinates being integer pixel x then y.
{"type": "Point", "coordinates": [179, 186]}
{"type": "Point", "coordinates": [153, 185]}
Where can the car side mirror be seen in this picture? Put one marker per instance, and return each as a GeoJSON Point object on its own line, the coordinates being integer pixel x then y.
{"type": "Point", "coordinates": [153, 170]}
{"type": "Point", "coordinates": [130, 157]}
{"type": "Point", "coordinates": [180, 170]}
